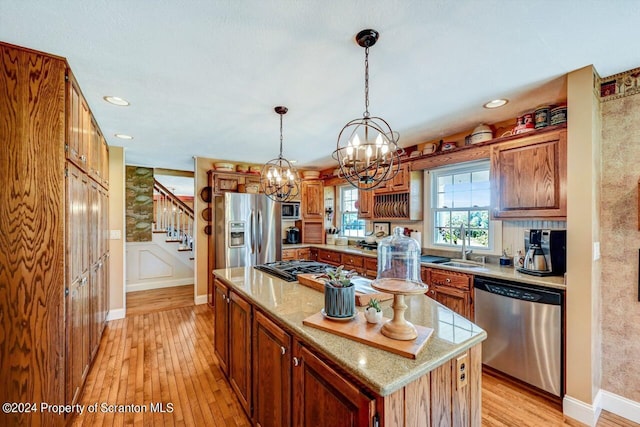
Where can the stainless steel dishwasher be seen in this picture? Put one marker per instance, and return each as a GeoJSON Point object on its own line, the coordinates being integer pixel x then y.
{"type": "Point", "coordinates": [524, 331]}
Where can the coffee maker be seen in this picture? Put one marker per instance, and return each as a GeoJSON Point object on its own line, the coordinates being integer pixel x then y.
{"type": "Point", "coordinates": [546, 252]}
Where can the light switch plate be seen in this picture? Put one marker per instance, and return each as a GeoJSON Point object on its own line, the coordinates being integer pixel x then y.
{"type": "Point", "coordinates": [596, 251]}
{"type": "Point", "coordinates": [115, 234]}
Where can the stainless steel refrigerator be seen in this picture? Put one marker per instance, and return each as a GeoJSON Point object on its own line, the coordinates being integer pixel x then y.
{"type": "Point", "coordinates": [247, 230]}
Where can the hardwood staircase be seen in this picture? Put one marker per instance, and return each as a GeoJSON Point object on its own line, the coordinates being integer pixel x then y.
{"type": "Point", "coordinates": [174, 218]}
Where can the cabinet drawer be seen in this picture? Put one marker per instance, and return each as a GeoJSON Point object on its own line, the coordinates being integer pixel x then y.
{"type": "Point", "coordinates": [329, 257]}
{"type": "Point", "coordinates": [449, 278]}
{"type": "Point", "coordinates": [289, 254]}
{"type": "Point", "coordinates": [352, 261]}
{"type": "Point", "coordinates": [304, 253]}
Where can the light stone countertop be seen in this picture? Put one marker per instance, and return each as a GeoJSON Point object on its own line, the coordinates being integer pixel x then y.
{"type": "Point", "coordinates": [381, 371]}
{"type": "Point", "coordinates": [488, 270]}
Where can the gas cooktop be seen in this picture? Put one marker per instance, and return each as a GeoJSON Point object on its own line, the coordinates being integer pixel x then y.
{"type": "Point", "coordinates": [289, 270]}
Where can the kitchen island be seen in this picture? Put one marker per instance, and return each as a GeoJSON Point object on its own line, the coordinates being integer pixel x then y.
{"type": "Point", "coordinates": [329, 380]}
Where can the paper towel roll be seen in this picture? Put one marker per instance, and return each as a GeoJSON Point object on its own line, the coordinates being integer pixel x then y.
{"type": "Point", "coordinates": [418, 236]}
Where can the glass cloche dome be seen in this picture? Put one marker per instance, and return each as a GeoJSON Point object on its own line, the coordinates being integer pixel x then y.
{"type": "Point", "coordinates": [399, 259]}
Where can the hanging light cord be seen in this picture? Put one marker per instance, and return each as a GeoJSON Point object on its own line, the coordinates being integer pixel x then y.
{"type": "Point", "coordinates": [281, 136]}
{"type": "Point", "coordinates": [366, 82]}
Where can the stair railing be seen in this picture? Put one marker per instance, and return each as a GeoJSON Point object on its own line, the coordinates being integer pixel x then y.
{"type": "Point", "coordinates": [172, 216]}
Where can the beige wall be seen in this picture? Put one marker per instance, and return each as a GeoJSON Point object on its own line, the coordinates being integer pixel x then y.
{"type": "Point", "coordinates": [582, 309]}
{"type": "Point", "coordinates": [116, 223]}
{"type": "Point", "coordinates": [201, 241]}
{"type": "Point", "coordinates": [621, 240]}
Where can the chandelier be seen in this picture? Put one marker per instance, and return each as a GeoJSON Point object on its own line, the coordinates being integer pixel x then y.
{"type": "Point", "coordinates": [367, 150]}
{"type": "Point", "coordinates": [279, 179]}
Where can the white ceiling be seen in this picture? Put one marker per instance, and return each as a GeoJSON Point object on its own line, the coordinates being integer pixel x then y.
{"type": "Point", "coordinates": [203, 76]}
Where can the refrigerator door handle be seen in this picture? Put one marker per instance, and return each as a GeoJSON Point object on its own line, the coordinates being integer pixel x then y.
{"type": "Point", "coordinates": [259, 231]}
{"type": "Point", "coordinates": [252, 234]}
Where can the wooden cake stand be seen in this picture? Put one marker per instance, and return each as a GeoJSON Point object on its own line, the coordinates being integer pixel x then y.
{"type": "Point", "coordinates": [398, 328]}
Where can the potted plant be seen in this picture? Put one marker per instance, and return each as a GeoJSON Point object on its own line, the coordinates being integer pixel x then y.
{"type": "Point", "coordinates": [339, 293]}
{"type": "Point", "coordinates": [373, 312]}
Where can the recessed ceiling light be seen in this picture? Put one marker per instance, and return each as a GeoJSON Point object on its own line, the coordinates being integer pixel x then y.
{"type": "Point", "coordinates": [123, 136]}
{"type": "Point", "coordinates": [496, 103]}
{"type": "Point", "coordinates": [115, 100]}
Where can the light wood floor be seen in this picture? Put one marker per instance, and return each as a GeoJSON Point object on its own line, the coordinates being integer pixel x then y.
{"type": "Point", "coordinates": [141, 302]}
{"type": "Point", "coordinates": [167, 357]}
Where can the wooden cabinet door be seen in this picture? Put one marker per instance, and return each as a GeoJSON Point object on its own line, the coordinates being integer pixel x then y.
{"type": "Point", "coordinates": [221, 325]}
{"type": "Point", "coordinates": [240, 349]}
{"type": "Point", "coordinates": [74, 121]}
{"type": "Point", "coordinates": [95, 151]}
{"type": "Point", "coordinates": [323, 397]}
{"type": "Point", "coordinates": [371, 267]}
{"type": "Point", "coordinates": [398, 184]}
{"type": "Point", "coordinates": [312, 204]}
{"type": "Point", "coordinates": [528, 177]}
{"type": "Point", "coordinates": [312, 232]}
{"type": "Point", "coordinates": [104, 159]}
{"type": "Point", "coordinates": [365, 204]}
{"type": "Point", "coordinates": [454, 299]}
{"type": "Point", "coordinates": [271, 374]}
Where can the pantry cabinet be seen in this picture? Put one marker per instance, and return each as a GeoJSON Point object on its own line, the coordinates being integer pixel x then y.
{"type": "Point", "coordinates": [451, 289]}
{"type": "Point", "coordinates": [528, 177]}
{"type": "Point", "coordinates": [312, 199]}
{"type": "Point", "coordinates": [55, 222]}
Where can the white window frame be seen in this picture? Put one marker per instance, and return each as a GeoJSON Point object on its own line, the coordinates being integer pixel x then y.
{"type": "Point", "coordinates": [340, 213]}
{"type": "Point", "coordinates": [495, 227]}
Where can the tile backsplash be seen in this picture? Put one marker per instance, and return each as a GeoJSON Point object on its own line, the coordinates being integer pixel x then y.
{"type": "Point", "coordinates": [513, 233]}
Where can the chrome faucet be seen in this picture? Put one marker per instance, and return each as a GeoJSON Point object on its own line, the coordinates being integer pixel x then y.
{"type": "Point", "coordinates": [463, 235]}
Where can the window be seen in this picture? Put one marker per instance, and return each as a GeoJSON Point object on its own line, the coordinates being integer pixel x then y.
{"type": "Point", "coordinates": [351, 225]}
{"type": "Point", "coordinates": [461, 195]}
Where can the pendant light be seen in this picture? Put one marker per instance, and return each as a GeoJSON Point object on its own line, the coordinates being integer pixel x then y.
{"type": "Point", "coordinates": [367, 150]}
{"type": "Point", "coordinates": [279, 179]}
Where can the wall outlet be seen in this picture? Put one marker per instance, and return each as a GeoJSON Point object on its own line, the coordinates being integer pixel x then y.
{"type": "Point", "coordinates": [596, 251]}
{"type": "Point", "coordinates": [462, 371]}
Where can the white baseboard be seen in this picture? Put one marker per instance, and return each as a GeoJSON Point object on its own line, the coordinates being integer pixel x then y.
{"type": "Point", "coordinates": [580, 411]}
{"type": "Point", "coordinates": [116, 314]}
{"type": "Point", "coordinates": [621, 406]}
{"type": "Point", "coordinates": [201, 299]}
{"type": "Point", "coordinates": [158, 285]}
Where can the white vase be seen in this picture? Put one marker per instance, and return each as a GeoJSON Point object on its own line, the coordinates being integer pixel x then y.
{"type": "Point", "coordinates": [372, 315]}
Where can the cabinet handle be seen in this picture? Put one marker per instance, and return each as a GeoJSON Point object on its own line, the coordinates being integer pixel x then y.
{"type": "Point", "coordinates": [83, 282]}
{"type": "Point", "coordinates": [83, 158]}
{"type": "Point", "coordinates": [283, 350]}
{"type": "Point", "coordinates": [228, 300]}
{"type": "Point", "coordinates": [296, 361]}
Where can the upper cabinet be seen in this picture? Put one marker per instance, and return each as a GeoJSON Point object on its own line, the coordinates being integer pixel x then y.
{"type": "Point", "coordinates": [398, 184]}
{"type": "Point", "coordinates": [312, 200]}
{"type": "Point", "coordinates": [528, 177]}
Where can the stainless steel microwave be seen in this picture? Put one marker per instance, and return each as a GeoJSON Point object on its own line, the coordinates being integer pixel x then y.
{"type": "Point", "coordinates": [290, 210]}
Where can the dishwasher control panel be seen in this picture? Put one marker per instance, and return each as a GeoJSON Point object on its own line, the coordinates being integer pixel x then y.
{"type": "Point", "coordinates": [513, 293]}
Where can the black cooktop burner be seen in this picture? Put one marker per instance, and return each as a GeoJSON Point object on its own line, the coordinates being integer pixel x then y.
{"type": "Point", "coordinates": [289, 270]}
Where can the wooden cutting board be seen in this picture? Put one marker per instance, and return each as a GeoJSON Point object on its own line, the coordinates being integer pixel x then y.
{"type": "Point", "coordinates": [362, 299]}
{"type": "Point", "coordinates": [359, 329]}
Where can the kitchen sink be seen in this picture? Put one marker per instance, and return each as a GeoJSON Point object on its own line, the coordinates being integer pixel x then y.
{"type": "Point", "coordinates": [463, 264]}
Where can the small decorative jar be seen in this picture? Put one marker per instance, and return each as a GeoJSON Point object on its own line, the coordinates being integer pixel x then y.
{"type": "Point", "coordinates": [541, 116]}
{"type": "Point", "coordinates": [481, 133]}
{"type": "Point", "coordinates": [559, 115]}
